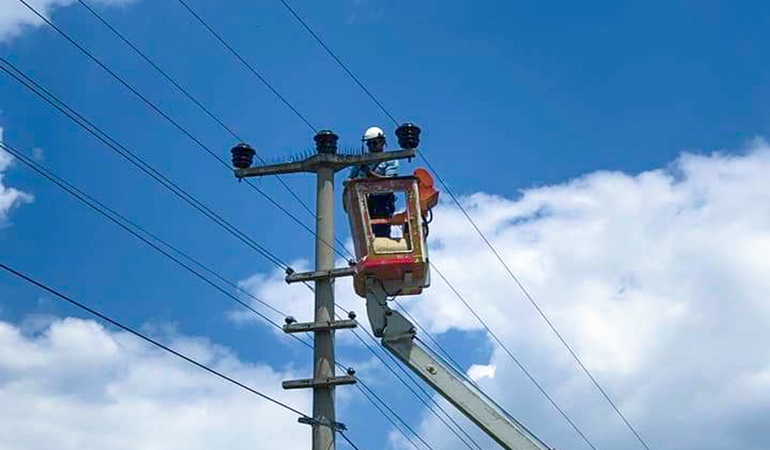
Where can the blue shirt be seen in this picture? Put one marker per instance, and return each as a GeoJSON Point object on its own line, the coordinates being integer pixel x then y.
{"type": "Point", "coordinates": [384, 169]}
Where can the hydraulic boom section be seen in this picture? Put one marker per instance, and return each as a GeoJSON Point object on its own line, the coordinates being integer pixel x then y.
{"type": "Point", "coordinates": [399, 337]}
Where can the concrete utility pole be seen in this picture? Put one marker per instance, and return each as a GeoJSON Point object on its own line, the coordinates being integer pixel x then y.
{"type": "Point", "coordinates": [324, 163]}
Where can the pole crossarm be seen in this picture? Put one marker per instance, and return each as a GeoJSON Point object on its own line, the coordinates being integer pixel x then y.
{"type": "Point", "coordinates": [336, 161]}
{"type": "Point", "coordinates": [301, 277]}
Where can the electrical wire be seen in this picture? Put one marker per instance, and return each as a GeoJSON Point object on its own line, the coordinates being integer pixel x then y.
{"type": "Point", "coordinates": [338, 60]}
{"type": "Point", "coordinates": [432, 406]}
{"type": "Point", "coordinates": [121, 221]}
{"type": "Point", "coordinates": [189, 135]}
{"type": "Point", "coordinates": [364, 388]}
{"type": "Point", "coordinates": [384, 414]}
{"type": "Point", "coordinates": [113, 216]}
{"type": "Point", "coordinates": [550, 324]}
{"type": "Point", "coordinates": [169, 119]}
{"type": "Point", "coordinates": [187, 94]}
{"type": "Point", "coordinates": [539, 310]}
{"type": "Point", "coordinates": [341, 433]}
{"type": "Point", "coordinates": [135, 160]}
{"type": "Point", "coordinates": [148, 339]}
{"type": "Point", "coordinates": [246, 64]}
{"type": "Point", "coordinates": [516, 360]}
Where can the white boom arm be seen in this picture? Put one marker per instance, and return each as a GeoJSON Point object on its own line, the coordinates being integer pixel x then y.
{"type": "Point", "coordinates": [399, 337]}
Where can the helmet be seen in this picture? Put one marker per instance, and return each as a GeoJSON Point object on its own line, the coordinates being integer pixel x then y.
{"type": "Point", "coordinates": [373, 133]}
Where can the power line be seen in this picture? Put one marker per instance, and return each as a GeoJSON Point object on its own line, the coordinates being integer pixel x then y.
{"type": "Point", "coordinates": [113, 216]}
{"type": "Point", "coordinates": [168, 118]}
{"type": "Point", "coordinates": [422, 389]}
{"type": "Point", "coordinates": [516, 360]}
{"type": "Point", "coordinates": [338, 60]}
{"type": "Point", "coordinates": [148, 339]}
{"type": "Point", "coordinates": [366, 390]}
{"type": "Point", "coordinates": [478, 230]}
{"type": "Point", "coordinates": [91, 128]}
{"type": "Point", "coordinates": [381, 106]}
{"type": "Point", "coordinates": [121, 221]}
{"type": "Point", "coordinates": [132, 158]}
{"type": "Point", "coordinates": [186, 93]}
{"type": "Point", "coordinates": [373, 399]}
{"type": "Point", "coordinates": [173, 82]}
{"type": "Point", "coordinates": [341, 433]}
{"type": "Point", "coordinates": [248, 65]}
{"type": "Point", "coordinates": [302, 117]}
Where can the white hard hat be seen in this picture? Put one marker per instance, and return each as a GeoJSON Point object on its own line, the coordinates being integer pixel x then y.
{"type": "Point", "coordinates": [373, 133]}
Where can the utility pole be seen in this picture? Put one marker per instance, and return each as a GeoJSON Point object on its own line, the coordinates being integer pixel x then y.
{"type": "Point", "coordinates": [324, 163]}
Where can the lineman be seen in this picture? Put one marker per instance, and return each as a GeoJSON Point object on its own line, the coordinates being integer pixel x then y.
{"type": "Point", "coordinates": [380, 205]}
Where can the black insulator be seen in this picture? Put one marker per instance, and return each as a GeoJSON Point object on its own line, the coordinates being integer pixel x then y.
{"type": "Point", "coordinates": [243, 156]}
{"type": "Point", "coordinates": [326, 141]}
{"type": "Point", "coordinates": [408, 136]}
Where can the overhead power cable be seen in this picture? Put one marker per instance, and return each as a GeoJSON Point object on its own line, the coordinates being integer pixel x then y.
{"type": "Point", "coordinates": [140, 233]}
{"type": "Point", "coordinates": [432, 406]}
{"type": "Point", "coordinates": [125, 84]}
{"type": "Point", "coordinates": [148, 339]}
{"type": "Point", "coordinates": [550, 324]}
{"type": "Point", "coordinates": [170, 120]}
{"type": "Point", "coordinates": [230, 48]}
{"type": "Point", "coordinates": [516, 360]}
{"type": "Point", "coordinates": [187, 94]}
{"type": "Point", "coordinates": [247, 64]}
{"type": "Point", "coordinates": [133, 159]}
{"type": "Point", "coordinates": [379, 403]}
{"type": "Point", "coordinates": [338, 60]}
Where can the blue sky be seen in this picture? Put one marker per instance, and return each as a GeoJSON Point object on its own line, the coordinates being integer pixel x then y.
{"type": "Point", "coordinates": [511, 96]}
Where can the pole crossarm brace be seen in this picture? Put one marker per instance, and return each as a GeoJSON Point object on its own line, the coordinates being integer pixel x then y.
{"type": "Point", "coordinates": [333, 160]}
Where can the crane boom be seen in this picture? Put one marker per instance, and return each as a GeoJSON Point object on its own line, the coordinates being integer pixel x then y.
{"type": "Point", "coordinates": [399, 337]}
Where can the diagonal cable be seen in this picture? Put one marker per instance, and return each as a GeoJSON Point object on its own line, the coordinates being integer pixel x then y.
{"type": "Point", "coordinates": [148, 339]}
{"type": "Point", "coordinates": [550, 324]}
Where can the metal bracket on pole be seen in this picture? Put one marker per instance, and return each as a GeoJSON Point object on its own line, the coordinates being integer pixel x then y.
{"type": "Point", "coordinates": [319, 382]}
{"type": "Point", "coordinates": [319, 326]}
{"type": "Point", "coordinates": [336, 426]}
{"type": "Point", "coordinates": [300, 277]}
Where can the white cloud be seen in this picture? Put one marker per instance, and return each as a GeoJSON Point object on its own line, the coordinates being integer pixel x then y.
{"type": "Point", "coordinates": [9, 197]}
{"type": "Point", "coordinates": [75, 385]}
{"type": "Point", "coordinates": [15, 17]}
{"type": "Point", "coordinates": [658, 280]}
{"type": "Point", "coordinates": [477, 372]}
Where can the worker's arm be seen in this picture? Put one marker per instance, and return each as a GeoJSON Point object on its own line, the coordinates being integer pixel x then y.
{"type": "Point", "coordinates": [385, 169]}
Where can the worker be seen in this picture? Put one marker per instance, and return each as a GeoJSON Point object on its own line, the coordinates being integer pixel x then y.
{"type": "Point", "coordinates": [380, 205]}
